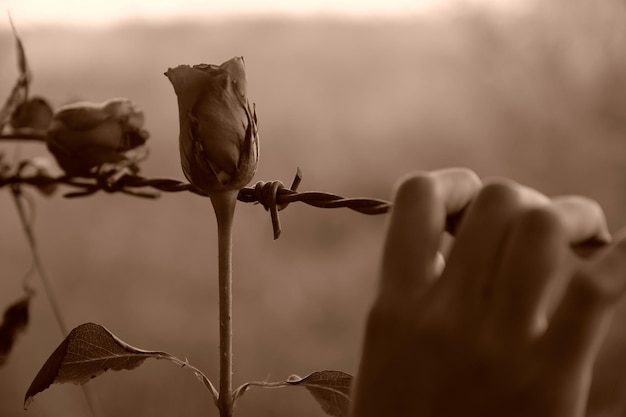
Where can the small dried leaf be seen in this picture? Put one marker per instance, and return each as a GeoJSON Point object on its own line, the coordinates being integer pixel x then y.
{"type": "Point", "coordinates": [89, 351]}
{"type": "Point", "coordinates": [19, 93]}
{"type": "Point", "coordinates": [14, 322]}
{"type": "Point", "coordinates": [21, 56]}
{"type": "Point", "coordinates": [331, 389]}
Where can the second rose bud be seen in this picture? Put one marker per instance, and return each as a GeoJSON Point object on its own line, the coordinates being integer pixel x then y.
{"type": "Point", "coordinates": [83, 136]}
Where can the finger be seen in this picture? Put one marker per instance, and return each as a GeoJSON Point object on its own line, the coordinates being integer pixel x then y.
{"type": "Point", "coordinates": [477, 252]}
{"type": "Point", "coordinates": [418, 218]}
{"type": "Point", "coordinates": [588, 230]}
{"type": "Point", "coordinates": [583, 219]}
{"type": "Point", "coordinates": [531, 258]}
{"type": "Point", "coordinates": [579, 323]}
{"type": "Point", "coordinates": [529, 279]}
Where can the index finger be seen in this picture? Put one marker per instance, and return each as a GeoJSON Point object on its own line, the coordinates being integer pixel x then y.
{"type": "Point", "coordinates": [422, 203]}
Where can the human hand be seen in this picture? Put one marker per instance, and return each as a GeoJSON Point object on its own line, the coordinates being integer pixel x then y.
{"type": "Point", "coordinates": [511, 326]}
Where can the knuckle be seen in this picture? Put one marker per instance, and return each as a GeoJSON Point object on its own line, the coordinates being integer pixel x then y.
{"type": "Point", "coordinates": [417, 185]}
{"type": "Point", "coordinates": [604, 278]}
{"type": "Point", "coordinates": [470, 173]}
{"type": "Point", "coordinates": [461, 174]}
{"type": "Point", "coordinates": [541, 220]}
{"type": "Point", "coordinates": [498, 192]}
{"type": "Point", "coordinates": [592, 205]}
{"type": "Point", "coordinates": [471, 176]}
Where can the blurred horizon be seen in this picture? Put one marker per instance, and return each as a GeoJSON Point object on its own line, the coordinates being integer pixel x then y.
{"type": "Point", "coordinates": [113, 12]}
{"type": "Point", "coordinates": [356, 103]}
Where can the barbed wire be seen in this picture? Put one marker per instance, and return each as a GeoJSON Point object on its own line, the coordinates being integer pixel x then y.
{"type": "Point", "coordinates": [272, 195]}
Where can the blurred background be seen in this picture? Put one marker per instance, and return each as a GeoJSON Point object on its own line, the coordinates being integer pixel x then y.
{"type": "Point", "coordinates": [356, 96]}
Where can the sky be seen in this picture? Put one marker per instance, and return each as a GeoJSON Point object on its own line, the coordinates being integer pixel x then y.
{"type": "Point", "coordinates": [99, 12]}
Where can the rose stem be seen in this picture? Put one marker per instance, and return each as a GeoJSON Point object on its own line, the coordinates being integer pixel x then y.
{"type": "Point", "coordinates": [224, 206]}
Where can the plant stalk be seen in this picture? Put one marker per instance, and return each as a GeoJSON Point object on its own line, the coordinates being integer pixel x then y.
{"type": "Point", "coordinates": [90, 396]}
{"type": "Point", "coordinates": [224, 206]}
{"type": "Point", "coordinates": [47, 285]}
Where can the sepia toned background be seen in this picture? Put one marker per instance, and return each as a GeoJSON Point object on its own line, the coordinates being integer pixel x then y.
{"type": "Point", "coordinates": [356, 102]}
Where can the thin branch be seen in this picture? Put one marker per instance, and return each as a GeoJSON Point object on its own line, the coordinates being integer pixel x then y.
{"type": "Point", "coordinates": [199, 374]}
{"type": "Point", "coordinates": [239, 392]}
{"type": "Point", "coordinates": [30, 236]}
{"type": "Point", "coordinates": [18, 198]}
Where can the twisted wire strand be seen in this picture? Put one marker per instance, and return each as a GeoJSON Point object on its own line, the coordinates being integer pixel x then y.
{"type": "Point", "coordinates": [273, 195]}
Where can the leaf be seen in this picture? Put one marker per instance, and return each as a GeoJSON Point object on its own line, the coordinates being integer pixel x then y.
{"type": "Point", "coordinates": [331, 389]}
{"type": "Point", "coordinates": [21, 56]}
{"type": "Point", "coordinates": [19, 93]}
{"type": "Point", "coordinates": [89, 351]}
{"type": "Point", "coordinates": [17, 96]}
{"type": "Point", "coordinates": [14, 322]}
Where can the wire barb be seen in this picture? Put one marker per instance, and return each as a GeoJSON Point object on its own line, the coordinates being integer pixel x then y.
{"type": "Point", "coordinates": [267, 193]}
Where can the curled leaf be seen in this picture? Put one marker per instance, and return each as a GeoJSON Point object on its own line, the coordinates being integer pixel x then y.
{"type": "Point", "coordinates": [14, 322]}
{"type": "Point", "coordinates": [89, 351]}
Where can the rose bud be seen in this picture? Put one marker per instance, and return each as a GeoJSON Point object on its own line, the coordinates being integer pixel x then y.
{"type": "Point", "coordinates": [34, 113]}
{"type": "Point", "coordinates": [219, 142]}
{"type": "Point", "coordinates": [83, 136]}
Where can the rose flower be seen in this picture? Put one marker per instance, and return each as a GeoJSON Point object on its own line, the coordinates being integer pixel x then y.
{"type": "Point", "coordinates": [219, 142]}
{"type": "Point", "coordinates": [83, 135]}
